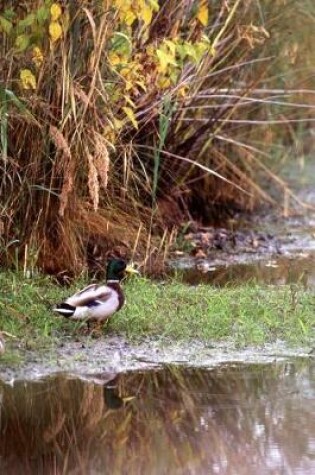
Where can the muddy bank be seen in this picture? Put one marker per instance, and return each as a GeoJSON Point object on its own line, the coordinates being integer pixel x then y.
{"type": "Point", "coordinates": [267, 236]}
{"type": "Point", "coordinates": [116, 355]}
{"type": "Point", "coordinates": [267, 249]}
{"type": "Point", "coordinates": [261, 238]}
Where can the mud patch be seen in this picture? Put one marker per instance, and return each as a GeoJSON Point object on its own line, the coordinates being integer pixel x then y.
{"type": "Point", "coordinates": [117, 355]}
{"type": "Point", "coordinates": [266, 249]}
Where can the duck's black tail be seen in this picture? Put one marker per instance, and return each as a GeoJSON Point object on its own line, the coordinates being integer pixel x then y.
{"type": "Point", "coordinates": [64, 309]}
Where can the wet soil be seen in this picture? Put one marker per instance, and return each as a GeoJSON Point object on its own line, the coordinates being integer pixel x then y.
{"type": "Point", "coordinates": [117, 355]}
{"type": "Point", "coordinates": [228, 246]}
{"type": "Point", "coordinates": [266, 248]}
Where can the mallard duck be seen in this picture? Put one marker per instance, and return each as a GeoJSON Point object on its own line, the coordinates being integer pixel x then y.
{"type": "Point", "coordinates": [98, 302]}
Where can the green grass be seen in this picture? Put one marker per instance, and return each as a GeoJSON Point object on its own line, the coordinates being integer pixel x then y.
{"type": "Point", "coordinates": [248, 314]}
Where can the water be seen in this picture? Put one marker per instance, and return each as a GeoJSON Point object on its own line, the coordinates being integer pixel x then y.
{"type": "Point", "coordinates": [234, 419]}
{"type": "Point", "coordinates": [283, 270]}
{"type": "Point", "coordinates": [290, 261]}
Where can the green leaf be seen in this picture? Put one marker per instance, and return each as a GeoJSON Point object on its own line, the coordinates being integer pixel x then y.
{"type": "Point", "coordinates": [191, 51]}
{"type": "Point", "coordinates": [38, 34]}
{"type": "Point", "coordinates": [5, 25]}
{"type": "Point", "coordinates": [42, 14]}
{"type": "Point", "coordinates": [22, 42]}
{"type": "Point", "coordinates": [9, 14]}
{"type": "Point", "coordinates": [17, 102]}
{"type": "Point", "coordinates": [200, 49]}
{"type": "Point", "coordinates": [181, 51]}
{"type": "Point", "coordinates": [174, 76]}
{"type": "Point", "coordinates": [171, 46]}
{"type": "Point", "coordinates": [27, 21]}
{"type": "Point", "coordinates": [121, 43]}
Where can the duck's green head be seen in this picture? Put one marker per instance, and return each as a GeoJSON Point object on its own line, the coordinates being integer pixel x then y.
{"type": "Point", "coordinates": [117, 268]}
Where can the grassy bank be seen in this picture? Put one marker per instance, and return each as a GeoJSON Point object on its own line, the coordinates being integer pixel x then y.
{"type": "Point", "coordinates": [248, 314]}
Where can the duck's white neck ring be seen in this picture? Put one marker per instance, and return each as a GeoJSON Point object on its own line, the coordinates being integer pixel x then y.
{"type": "Point", "coordinates": [113, 281]}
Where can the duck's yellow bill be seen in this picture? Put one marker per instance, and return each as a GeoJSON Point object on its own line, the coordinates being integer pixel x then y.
{"type": "Point", "coordinates": [131, 270]}
{"type": "Point", "coordinates": [129, 398]}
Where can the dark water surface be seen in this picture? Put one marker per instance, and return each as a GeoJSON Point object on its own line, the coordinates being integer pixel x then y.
{"type": "Point", "coordinates": [234, 419]}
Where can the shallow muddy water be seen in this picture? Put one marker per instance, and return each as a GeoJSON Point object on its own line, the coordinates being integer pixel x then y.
{"type": "Point", "coordinates": [233, 419]}
{"type": "Point", "coordinates": [279, 270]}
{"type": "Point", "coordinates": [289, 258]}
{"type": "Point", "coordinates": [267, 248]}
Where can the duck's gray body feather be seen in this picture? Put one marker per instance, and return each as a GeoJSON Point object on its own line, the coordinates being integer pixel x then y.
{"type": "Point", "coordinates": [95, 302]}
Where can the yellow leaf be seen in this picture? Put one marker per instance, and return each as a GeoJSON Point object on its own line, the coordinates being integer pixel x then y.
{"type": "Point", "coordinates": [128, 85]}
{"type": "Point", "coordinates": [125, 72]}
{"type": "Point", "coordinates": [109, 134]}
{"type": "Point", "coordinates": [146, 15]}
{"type": "Point", "coordinates": [142, 85]}
{"type": "Point", "coordinates": [55, 31]}
{"type": "Point", "coordinates": [174, 76]}
{"type": "Point", "coordinates": [28, 79]}
{"type": "Point", "coordinates": [150, 50]}
{"type": "Point", "coordinates": [118, 124]}
{"type": "Point", "coordinates": [129, 18]}
{"type": "Point", "coordinates": [131, 116]}
{"type": "Point", "coordinates": [37, 56]}
{"type": "Point", "coordinates": [129, 101]}
{"type": "Point", "coordinates": [120, 3]}
{"type": "Point", "coordinates": [203, 12]}
{"type": "Point", "coordinates": [182, 91]}
{"type": "Point", "coordinates": [163, 82]}
{"type": "Point", "coordinates": [163, 60]}
{"type": "Point", "coordinates": [55, 11]}
{"type": "Point", "coordinates": [166, 55]}
{"type": "Point", "coordinates": [114, 59]}
{"type": "Point", "coordinates": [155, 5]}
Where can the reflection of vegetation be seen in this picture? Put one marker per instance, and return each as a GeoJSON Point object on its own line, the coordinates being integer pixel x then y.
{"type": "Point", "coordinates": [248, 314]}
{"type": "Point", "coordinates": [181, 419]}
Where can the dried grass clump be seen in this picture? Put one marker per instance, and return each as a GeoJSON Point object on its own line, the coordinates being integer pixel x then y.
{"type": "Point", "coordinates": [112, 113]}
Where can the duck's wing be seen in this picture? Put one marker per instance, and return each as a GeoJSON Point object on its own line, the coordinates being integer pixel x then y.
{"type": "Point", "coordinates": [91, 294]}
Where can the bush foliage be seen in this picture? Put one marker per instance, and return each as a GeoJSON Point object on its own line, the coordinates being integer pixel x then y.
{"type": "Point", "coordinates": [120, 118]}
